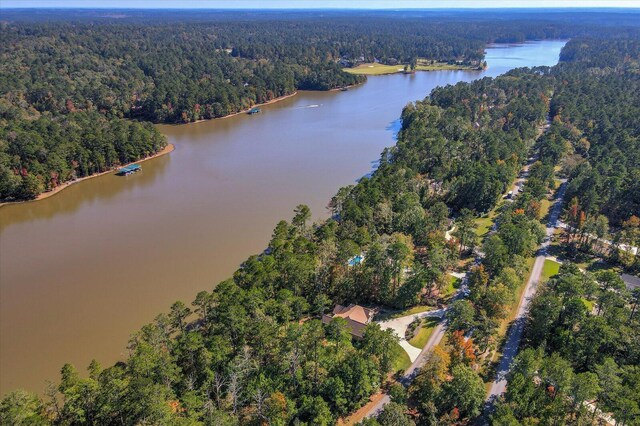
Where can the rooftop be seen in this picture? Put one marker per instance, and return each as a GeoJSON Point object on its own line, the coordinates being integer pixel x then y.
{"type": "Point", "coordinates": [631, 281]}
{"type": "Point", "coordinates": [353, 312]}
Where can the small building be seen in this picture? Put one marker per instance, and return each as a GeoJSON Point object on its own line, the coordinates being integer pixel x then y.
{"type": "Point", "coordinates": [357, 317]}
{"type": "Point", "coordinates": [631, 281]}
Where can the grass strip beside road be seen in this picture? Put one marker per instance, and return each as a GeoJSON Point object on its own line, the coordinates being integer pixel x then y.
{"type": "Point", "coordinates": [424, 333]}
{"type": "Point", "coordinates": [485, 223]}
{"type": "Point", "coordinates": [400, 359]}
{"type": "Point", "coordinates": [453, 285]}
{"type": "Point", "coordinates": [385, 316]}
{"type": "Point", "coordinates": [549, 269]}
{"type": "Point", "coordinates": [545, 206]}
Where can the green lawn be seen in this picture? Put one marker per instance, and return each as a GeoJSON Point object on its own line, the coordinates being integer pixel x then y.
{"type": "Point", "coordinates": [549, 269]}
{"type": "Point", "coordinates": [545, 205]}
{"type": "Point", "coordinates": [411, 311]}
{"type": "Point", "coordinates": [422, 336]}
{"type": "Point", "coordinates": [454, 284]}
{"type": "Point", "coordinates": [595, 265]}
{"type": "Point", "coordinates": [400, 358]}
{"type": "Point", "coordinates": [484, 224]}
{"type": "Point", "coordinates": [440, 66]}
{"type": "Point", "coordinates": [423, 65]}
{"type": "Point", "coordinates": [375, 69]}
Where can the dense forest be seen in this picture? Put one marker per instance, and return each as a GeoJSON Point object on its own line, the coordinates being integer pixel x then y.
{"type": "Point", "coordinates": [171, 69]}
{"type": "Point", "coordinates": [581, 357]}
{"type": "Point", "coordinates": [596, 133]}
{"type": "Point", "coordinates": [38, 154]}
{"type": "Point", "coordinates": [253, 350]}
{"type": "Point", "coordinates": [178, 68]}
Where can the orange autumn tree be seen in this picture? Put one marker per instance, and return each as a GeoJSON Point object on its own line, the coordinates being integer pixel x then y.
{"type": "Point", "coordinates": [461, 350]}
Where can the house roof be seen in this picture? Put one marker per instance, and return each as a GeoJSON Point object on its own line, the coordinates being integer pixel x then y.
{"type": "Point", "coordinates": [354, 312]}
{"type": "Point", "coordinates": [631, 281]}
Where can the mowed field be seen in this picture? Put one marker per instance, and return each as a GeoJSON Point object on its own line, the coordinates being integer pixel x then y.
{"type": "Point", "coordinates": [423, 65]}
{"type": "Point", "coordinates": [375, 69]}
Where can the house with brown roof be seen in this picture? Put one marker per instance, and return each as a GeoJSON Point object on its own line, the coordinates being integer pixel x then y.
{"type": "Point", "coordinates": [357, 317]}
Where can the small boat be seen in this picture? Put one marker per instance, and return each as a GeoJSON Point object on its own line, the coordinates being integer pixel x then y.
{"type": "Point", "coordinates": [344, 89]}
{"type": "Point", "coordinates": [129, 170]}
{"type": "Point", "coordinates": [253, 111]}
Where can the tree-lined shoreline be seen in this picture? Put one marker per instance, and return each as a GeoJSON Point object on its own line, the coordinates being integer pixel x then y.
{"type": "Point", "coordinates": [254, 350]}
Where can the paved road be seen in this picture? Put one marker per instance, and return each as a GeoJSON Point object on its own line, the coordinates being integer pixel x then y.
{"type": "Point", "coordinates": [512, 343]}
{"type": "Point", "coordinates": [400, 325]}
{"type": "Point", "coordinates": [438, 332]}
{"type": "Point", "coordinates": [410, 373]}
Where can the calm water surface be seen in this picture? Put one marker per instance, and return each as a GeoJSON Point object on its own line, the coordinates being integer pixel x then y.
{"type": "Point", "coordinates": [81, 270]}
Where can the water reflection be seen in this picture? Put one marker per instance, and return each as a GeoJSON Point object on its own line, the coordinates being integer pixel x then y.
{"type": "Point", "coordinates": [99, 189]}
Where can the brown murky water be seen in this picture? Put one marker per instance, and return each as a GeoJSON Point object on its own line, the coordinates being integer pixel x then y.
{"type": "Point", "coordinates": [83, 269]}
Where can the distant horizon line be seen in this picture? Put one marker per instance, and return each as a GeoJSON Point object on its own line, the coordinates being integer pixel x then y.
{"type": "Point", "coordinates": [540, 8]}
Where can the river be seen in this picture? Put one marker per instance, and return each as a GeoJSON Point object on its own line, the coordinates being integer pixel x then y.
{"type": "Point", "coordinates": [81, 270]}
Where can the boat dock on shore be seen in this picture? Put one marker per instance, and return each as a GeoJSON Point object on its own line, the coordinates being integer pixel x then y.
{"type": "Point", "coordinates": [129, 170]}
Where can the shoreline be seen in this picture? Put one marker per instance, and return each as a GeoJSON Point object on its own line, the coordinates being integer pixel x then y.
{"type": "Point", "coordinates": [272, 101]}
{"type": "Point", "coordinates": [167, 149]}
{"type": "Point", "coordinates": [421, 68]}
{"type": "Point", "coordinates": [339, 89]}
{"type": "Point", "coordinates": [233, 114]}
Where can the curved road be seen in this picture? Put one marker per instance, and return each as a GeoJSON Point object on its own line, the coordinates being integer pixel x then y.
{"type": "Point", "coordinates": [409, 374]}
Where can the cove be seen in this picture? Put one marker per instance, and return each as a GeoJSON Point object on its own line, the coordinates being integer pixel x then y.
{"type": "Point", "coordinates": [83, 269]}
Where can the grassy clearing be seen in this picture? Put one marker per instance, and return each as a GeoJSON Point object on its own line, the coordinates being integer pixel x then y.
{"type": "Point", "coordinates": [422, 336]}
{"type": "Point", "coordinates": [397, 314]}
{"type": "Point", "coordinates": [454, 284]}
{"type": "Point", "coordinates": [400, 358]}
{"type": "Point", "coordinates": [484, 224]}
{"type": "Point", "coordinates": [375, 69]}
{"type": "Point", "coordinates": [423, 65]}
{"type": "Point", "coordinates": [549, 269]}
{"type": "Point", "coordinates": [545, 206]}
{"type": "Point", "coordinates": [442, 66]}
{"type": "Point", "coordinates": [596, 264]}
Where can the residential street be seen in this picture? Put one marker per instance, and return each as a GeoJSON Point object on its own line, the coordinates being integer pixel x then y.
{"type": "Point", "coordinates": [409, 374]}
{"type": "Point", "coordinates": [512, 343]}
{"type": "Point", "coordinates": [513, 340]}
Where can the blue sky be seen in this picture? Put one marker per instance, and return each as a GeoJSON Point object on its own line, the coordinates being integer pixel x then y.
{"type": "Point", "coordinates": [343, 4]}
